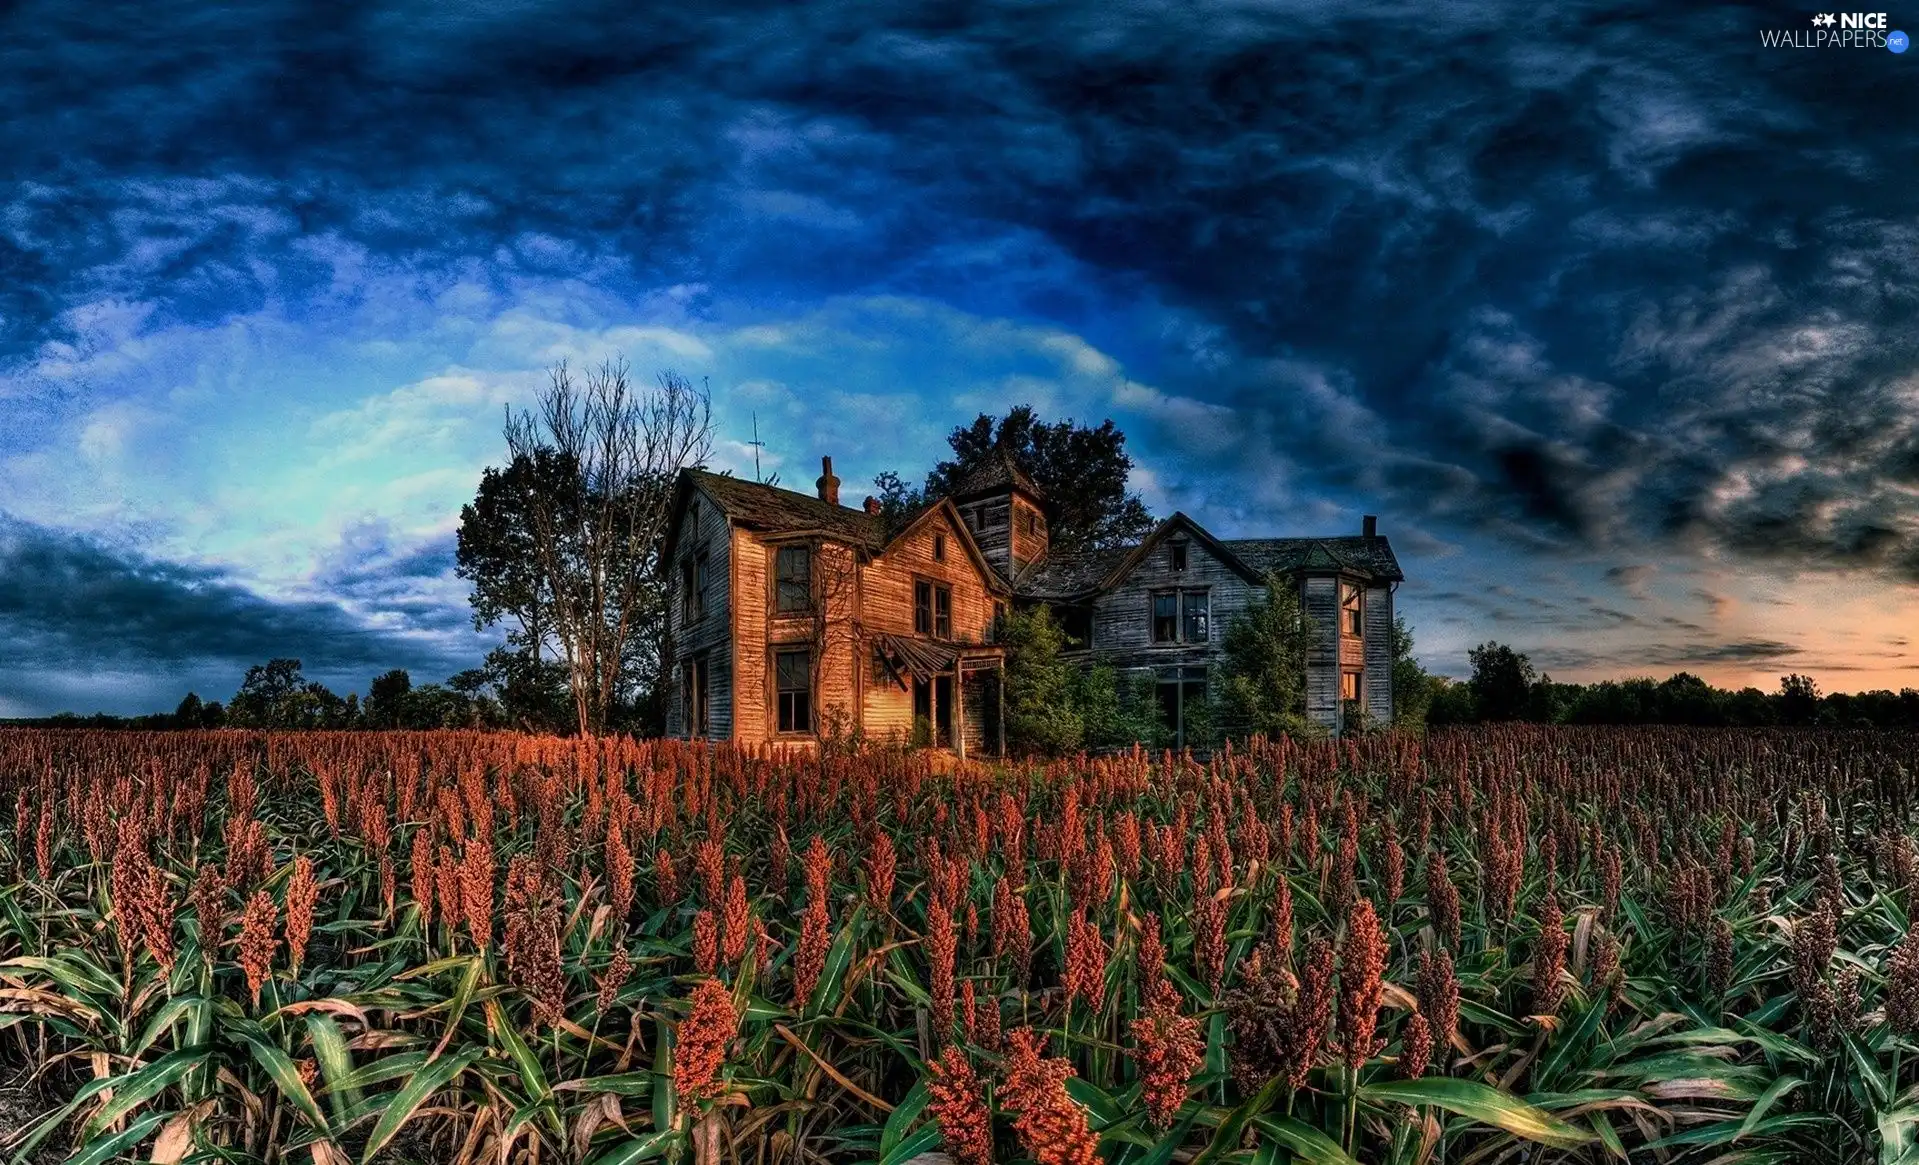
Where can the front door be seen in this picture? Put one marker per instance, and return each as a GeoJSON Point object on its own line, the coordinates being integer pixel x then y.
{"type": "Point", "coordinates": [943, 711]}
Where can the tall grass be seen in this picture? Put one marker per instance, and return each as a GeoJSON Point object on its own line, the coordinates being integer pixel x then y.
{"type": "Point", "coordinates": [1585, 945]}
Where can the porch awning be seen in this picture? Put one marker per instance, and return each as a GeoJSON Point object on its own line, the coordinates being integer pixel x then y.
{"type": "Point", "coordinates": [920, 658]}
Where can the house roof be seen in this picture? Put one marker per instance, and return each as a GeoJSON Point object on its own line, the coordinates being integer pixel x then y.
{"type": "Point", "coordinates": [1070, 576]}
{"type": "Point", "coordinates": [769, 508]}
{"type": "Point", "coordinates": [1065, 576]}
{"type": "Point", "coordinates": [999, 473]}
{"type": "Point", "coordinates": [1357, 554]}
{"type": "Point", "coordinates": [772, 510]}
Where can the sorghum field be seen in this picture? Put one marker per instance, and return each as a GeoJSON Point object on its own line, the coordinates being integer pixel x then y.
{"type": "Point", "coordinates": [1505, 944]}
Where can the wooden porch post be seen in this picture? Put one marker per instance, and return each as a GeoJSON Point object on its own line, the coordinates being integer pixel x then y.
{"type": "Point", "coordinates": [999, 690]}
{"type": "Point", "coordinates": [959, 707]}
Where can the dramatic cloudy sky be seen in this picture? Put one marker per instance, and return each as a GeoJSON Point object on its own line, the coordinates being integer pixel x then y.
{"type": "Point", "coordinates": [1607, 311]}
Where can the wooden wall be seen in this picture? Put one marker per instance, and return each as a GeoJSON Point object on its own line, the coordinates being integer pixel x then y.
{"type": "Point", "coordinates": [749, 674]}
{"type": "Point", "coordinates": [887, 591]}
{"type": "Point", "coordinates": [713, 632]}
{"type": "Point", "coordinates": [1379, 654]}
{"type": "Point", "coordinates": [1027, 547]}
{"type": "Point", "coordinates": [1321, 598]}
{"type": "Point", "coordinates": [1122, 619]}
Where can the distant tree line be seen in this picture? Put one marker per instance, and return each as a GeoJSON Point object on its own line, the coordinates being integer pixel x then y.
{"type": "Point", "coordinates": [1505, 686]}
{"type": "Point", "coordinates": [276, 695]}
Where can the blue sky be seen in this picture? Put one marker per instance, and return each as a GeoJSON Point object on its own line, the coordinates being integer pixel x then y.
{"type": "Point", "coordinates": [1607, 311]}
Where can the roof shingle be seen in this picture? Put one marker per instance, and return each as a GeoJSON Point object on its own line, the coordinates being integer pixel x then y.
{"type": "Point", "coordinates": [768, 507]}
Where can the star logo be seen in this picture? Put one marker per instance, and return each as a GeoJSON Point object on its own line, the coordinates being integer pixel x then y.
{"type": "Point", "coordinates": [1825, 19]}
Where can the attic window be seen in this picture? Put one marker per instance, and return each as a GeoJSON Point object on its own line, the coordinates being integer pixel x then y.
{"type": "Point", "coordinates": [939, 548]}
{"type": "Point", "coordinates": [1179, 555]}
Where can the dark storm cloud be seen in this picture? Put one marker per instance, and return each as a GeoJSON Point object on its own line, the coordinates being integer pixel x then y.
{"type": "Point", "coordinates": [73, 608]}
{"type": "Point", "coordinates": [1578, 278]}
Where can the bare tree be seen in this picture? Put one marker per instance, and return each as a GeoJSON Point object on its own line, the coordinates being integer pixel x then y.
{"type": "Point", "coordinates": [597, 531]}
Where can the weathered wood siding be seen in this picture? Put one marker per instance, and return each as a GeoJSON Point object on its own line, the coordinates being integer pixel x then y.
{"type": "Point", "coordinates": [1123, 617]}
{"type": "Point", "coordinates": [976, 694]}
{"type": "Point", "coordinates": [991, 522]}
{"type": "Point", "coordinates": [886, 705]}
{"type": "Point", "coordinates": [1321, 599]}
{"type": "Point", "coordinates": [712, 632]}
{"type": "Point", "coordinates": [887, 592]}
{"type": "Point", "coordinates": [1379, 654]}
{"type": "Point", "coordinates": [751, 577]}
{"type": "Point", "coordinates": [1027, 545]}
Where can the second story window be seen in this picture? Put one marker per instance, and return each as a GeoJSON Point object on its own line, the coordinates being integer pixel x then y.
{"type": "Point", "coordinates": [793, 578]}
{"type": "Point", "coordinates": [1193, 610]}
{"type": "Point", "coordinates": [932, 609]}
{"type": "Point", "coordinates": [939, 548]}
{"type": "Point", "coordinates": [1352, 613]}
{"type": "Point", "coordinates": [1179, 555]}
{"type": "Point", "coordinates": [1166, 617]}
{"type": "Point", "coordinates": [1181, 616]}
{"type": "Point", "coordinates": [692, 587]}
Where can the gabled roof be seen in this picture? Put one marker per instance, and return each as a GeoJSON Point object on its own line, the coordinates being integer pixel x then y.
{"type": "Point", "coordinates": [769, 509]}
{"type": "Point", "coordinates": [1000, 473]}
{"type": "Point", "coordinates": [772, 510]}
{"type": "Point", "coordinates": [1077, 576]}
{"type": "Point", "coordinates": [1178, 522]}
{"type": "Point", "coordinates": [1068, 576]}
{"type": "Point", "coordinates": [994, 580]}
{"type": "Point", "coordinates": [1356, 554]}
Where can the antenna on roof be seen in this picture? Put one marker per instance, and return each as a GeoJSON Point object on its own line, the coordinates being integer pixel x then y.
{"type": "Point", "coordinates": [757, 445]}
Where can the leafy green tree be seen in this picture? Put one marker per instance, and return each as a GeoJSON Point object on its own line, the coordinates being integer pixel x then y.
{"type": "Point", "coordinates": [387, 697]}
{"type": "Point", "coordinates": [1412, 687]}
{"type": "Point", "coordinates": [191, 713]}
{"type": "Point", "coordinates": [1041, 717]}
{"type": "Point", "coordinates": [1262, 690]}
{"type": "Point", "coordinates": [1083, 471]}
{"type": "Point", "coordinates": [1798, 700]}
{"type": "Point", "coordinates": [897, 499]}
{"type": "Point", "coordinates": [1116, 710]}
{"type": "Point", "coordinates": [1451, 703]}
{"type": "Point", "coordinates": [1502, 682]}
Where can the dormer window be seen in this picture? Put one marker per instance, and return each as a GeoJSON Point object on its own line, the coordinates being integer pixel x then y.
{"type": "Point", "coordinates": [1179, 555]}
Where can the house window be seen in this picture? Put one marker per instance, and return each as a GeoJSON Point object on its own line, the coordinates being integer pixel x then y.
{"type": "Point", "coordinates": [793, 570]}
{"type": "Point", "coordinates": [1030, 520]}
{"type": "Point", "coordinates": [1076, 623]}
{"type": "Point", "coordinates": [1193, 607]}
{"type": "Point", "coordinates": [1166, 617]}
{"type": "Point", "coordinates": [693, 696]}
{"type": "Point", "coordinates": [999, 620]}
{"type": "Point", "coordinates": [1179, 555]}
{"type": "Point", "coordinates": [793, 682]}
{"type": "Point", "coordinates": [693, 587]}
{"type": "Point", "coordinates": [1182, 703]}
{"type": "Point", "coordinates": [1181, 616]}
{"type": "Point", "coordinates": [1351, 614]}
{"type": "Point", "coordinates": [939, 548]}
{"type": "Point", "coordinates": [932, 609]}
{"type": "Point", "coordinates": [1349, 686]}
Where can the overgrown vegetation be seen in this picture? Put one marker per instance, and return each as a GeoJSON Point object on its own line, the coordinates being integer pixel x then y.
{"type": "Point", "coordinates": [1512, 943]}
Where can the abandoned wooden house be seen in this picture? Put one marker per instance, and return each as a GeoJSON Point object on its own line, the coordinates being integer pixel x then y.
{"type": "Point", "coordinates": [793, 618]}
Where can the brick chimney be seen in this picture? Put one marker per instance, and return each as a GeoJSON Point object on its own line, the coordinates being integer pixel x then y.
{"type": "Point", "coordinates": [1369, 526]}
{"type": "Point", "coordinates": [829, 485]}
{"type": "Point", "coordinates": [871, 505]}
